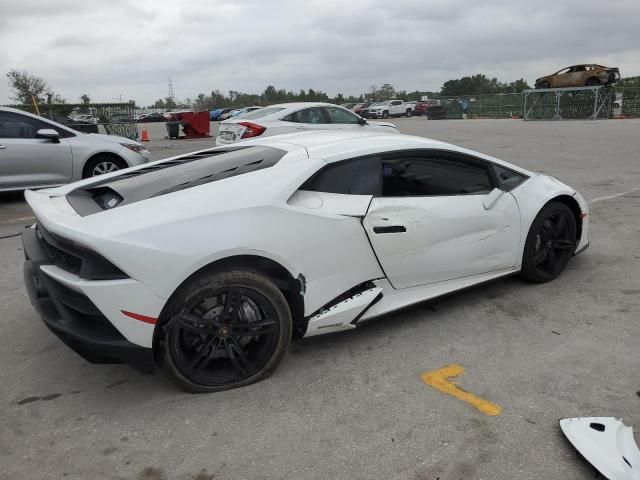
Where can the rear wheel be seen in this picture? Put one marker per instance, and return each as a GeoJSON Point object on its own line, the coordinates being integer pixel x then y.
{"type": "Point", "coordinates": [225, 330]}
{"type": "Point", "coordinates": [592, 82]}
{"type": "Point", "coordinates": [550, 243]}
{"type": "Point", "coordinates": [408, 112]}
{"type": "Point", "coordinates": [101, 164]}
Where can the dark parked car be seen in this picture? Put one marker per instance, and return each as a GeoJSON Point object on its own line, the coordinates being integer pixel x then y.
{"type": "Point", "coordinates": [153, 117]}
{"type": "Point", "coordinates": [436, 112]}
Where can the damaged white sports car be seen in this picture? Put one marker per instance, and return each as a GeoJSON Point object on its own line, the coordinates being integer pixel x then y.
{"type": "Point", "coordinates": [207, 263]}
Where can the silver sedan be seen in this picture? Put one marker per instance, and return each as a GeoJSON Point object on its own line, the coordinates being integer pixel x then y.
{"type": "Point", "coordinates": [36, 152]}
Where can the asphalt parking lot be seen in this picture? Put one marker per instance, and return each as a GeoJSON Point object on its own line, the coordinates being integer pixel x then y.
{"type": "Point", "coordinates": [354, 405]}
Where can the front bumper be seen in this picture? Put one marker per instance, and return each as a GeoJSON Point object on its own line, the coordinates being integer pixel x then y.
{"type": "Point", "coordinates": [69, 312]}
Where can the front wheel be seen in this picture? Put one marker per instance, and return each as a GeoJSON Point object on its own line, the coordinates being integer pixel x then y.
{"type": "Point", "coordinates": [385, 114]}
{"type": "Point", "coordinates": [101, 164]}
{"type": "Point", "coordinates": [550, 243]}
{"type": "Point", "coordinates": [224, 330]}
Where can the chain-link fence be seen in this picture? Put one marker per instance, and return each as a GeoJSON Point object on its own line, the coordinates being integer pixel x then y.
{"type": "Point", "coordinates": [503, 105]}
{"type": "Point", "coordinates": [109, 118]}
{"type": "Point", "coordinates": [580, 103]}
{"type": "Point", "coordinates": [627, 102]}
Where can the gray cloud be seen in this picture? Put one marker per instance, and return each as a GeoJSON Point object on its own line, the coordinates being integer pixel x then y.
{"type": "Point", "coordinates": [130, 47]}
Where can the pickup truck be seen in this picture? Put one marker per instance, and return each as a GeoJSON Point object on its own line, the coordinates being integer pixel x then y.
{"type": "Point", "coordinates": [390, 108]}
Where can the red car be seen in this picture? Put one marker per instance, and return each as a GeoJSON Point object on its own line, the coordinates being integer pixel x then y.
{"type": "Point", "coordinates": [360, 108]}
{"type": "Point", "coordinates": [422, 107]}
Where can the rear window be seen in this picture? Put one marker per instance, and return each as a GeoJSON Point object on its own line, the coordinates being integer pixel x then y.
{"type": "Point", "coordinates": [260, 113]}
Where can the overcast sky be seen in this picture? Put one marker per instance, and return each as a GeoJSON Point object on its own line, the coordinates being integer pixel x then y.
{"type": "Point", "coordinates": [128, 48]}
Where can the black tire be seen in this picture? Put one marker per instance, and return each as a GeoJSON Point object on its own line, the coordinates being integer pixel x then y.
{"type": "Point", "coordinates": [592, 82]}
{"type": "Point", "coordinates": [224, 330]}
{"type": "Point", "coordinates": [385, 114]}
{"type": "Point", "coordinates": [112, 163]}
{"type": "Point", "coordinates": [408, 112]}
{"type": "Point", "coordinates": [550, 243]}
{"type": "Point", "coordinates": [542, 85]}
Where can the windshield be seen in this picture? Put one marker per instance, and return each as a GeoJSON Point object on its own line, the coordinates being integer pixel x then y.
{"type": "Point", "coordinates": [260, 113]}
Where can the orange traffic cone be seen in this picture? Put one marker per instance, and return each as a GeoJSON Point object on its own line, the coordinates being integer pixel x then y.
{"type": "Point", "coordinates": [145, 135]}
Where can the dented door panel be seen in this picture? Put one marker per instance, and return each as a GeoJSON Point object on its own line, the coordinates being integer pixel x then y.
{"type": "Point", "coordinates": [421, 240]}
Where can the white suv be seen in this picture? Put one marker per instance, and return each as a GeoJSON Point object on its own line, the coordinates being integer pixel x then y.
{"type": "Point", "coordinates": [36, 152]}
{"type": "Point", "coordinates": [390, 108]}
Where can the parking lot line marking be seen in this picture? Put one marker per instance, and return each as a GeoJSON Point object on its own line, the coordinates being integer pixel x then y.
{"type": "Point", "coordinates": [18, 219]}
{"type": "Point", "coordinates": [441, 380]}
{"type": "Point", "coordinates": [610, 197]}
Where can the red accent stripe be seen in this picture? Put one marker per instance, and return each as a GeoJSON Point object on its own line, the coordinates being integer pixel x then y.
{"type": "Point", "coordinates": [142, 318]}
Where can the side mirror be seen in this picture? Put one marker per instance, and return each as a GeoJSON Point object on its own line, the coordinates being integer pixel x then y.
{"type": "Point", "coordinates": [362, 121]}
{"type": "Point", "coordinates": [492, 198]}
{"type": "Point", "coordinates": [48, 134]}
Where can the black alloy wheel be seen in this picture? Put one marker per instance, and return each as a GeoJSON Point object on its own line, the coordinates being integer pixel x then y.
{"type": "Point", "coordinates": [232, 330]}
{"type": "Point", "coordinates": [550, 243]}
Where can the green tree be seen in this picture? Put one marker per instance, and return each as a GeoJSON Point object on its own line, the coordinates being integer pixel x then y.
{"type": "Point", "coordinates": [518, 86]}
{"type": "Point", "coordinates": [26, 85]}
{"type": "Point", "coordinates": [84, 98]}
{"type": "Point", "coordinates": [386, 92]}
{"type": "Point", "coordinates": [629, 82]}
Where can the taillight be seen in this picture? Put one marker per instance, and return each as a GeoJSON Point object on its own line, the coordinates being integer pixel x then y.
{"type": "Point", "coordinates": [252, 129]}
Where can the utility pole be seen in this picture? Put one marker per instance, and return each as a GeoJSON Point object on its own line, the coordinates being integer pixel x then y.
{"type": "Point", "coordinates": [172, 94]}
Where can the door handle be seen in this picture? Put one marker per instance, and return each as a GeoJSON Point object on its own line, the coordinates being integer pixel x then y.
{"type": "Point", "coordinates": [390, 229]}
{"type": "Point", "coordinates": [3, 147]}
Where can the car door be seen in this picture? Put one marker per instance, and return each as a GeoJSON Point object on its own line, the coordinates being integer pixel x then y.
{"type": "Point", "coordinates": [342, 119]}
{"type": "Point", "coordinates": [395, 107]}
{"type": "Point", "coordinates": [441, 217]}
{"type": "Point", "coordinates": [28, 161]}
{"type": "Point", "coordinates": [575, 77]}
{"type": "Point", "coordinates": [561, 78]}
{"type": "Point", "coordinates": [312, 118]}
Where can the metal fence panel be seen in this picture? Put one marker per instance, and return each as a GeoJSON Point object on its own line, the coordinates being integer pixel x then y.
{"type": "Point", "coordinates": [578, 103]}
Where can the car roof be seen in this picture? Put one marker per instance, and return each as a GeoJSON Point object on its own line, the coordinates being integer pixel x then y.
{"type": "Point", "coordinates": [284, 109]}
{"type": "Point", "coordinates": [334, 146]}
{"type": "Point", "coordinates": [46, 120]}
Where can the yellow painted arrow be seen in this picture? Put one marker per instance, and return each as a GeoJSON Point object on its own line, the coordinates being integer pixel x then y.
{"type": "Point", "coordinates": [441, 380]}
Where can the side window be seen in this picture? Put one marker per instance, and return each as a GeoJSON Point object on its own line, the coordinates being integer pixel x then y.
{"type": "Point", "coordinates": [340, 115]}
{"type": "Point", "coordinates": [350, 177]}
{"type": "Point", "coordinates": [563, 71]}
{"type": "Point", "coordinates": [433, 174]}
{"type": "Point", "coordinates": [310, 115]}
{"type": "Point", "coordinates": [396, 102]}
{"type": "Point", "coordinates": [14, 125]}
{"type": "Point", "coordinates": [508, 178]}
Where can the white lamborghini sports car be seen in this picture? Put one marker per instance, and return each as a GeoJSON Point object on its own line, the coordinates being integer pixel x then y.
{"type": "Point", "coordinates": [206, 264]}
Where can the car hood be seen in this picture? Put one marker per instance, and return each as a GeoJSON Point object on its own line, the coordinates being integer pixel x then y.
{"type": "Point", "coordinates": [382, 124]}
{"type": "Point", "coordinates": [110, 138]}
